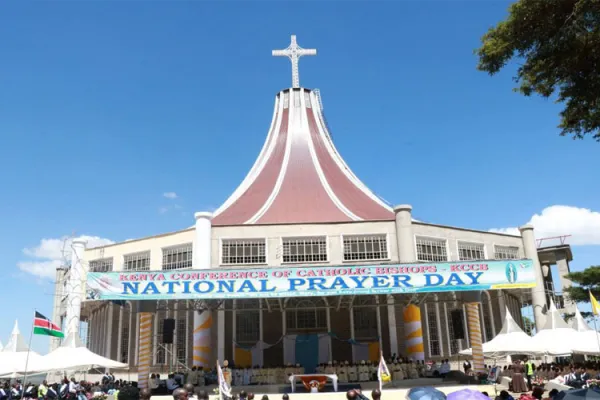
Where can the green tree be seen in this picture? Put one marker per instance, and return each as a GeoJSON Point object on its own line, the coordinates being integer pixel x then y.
{"type": "Point", "coordinates": [557, 46]}
{"type": "Point", "coordinates": [586, 281]}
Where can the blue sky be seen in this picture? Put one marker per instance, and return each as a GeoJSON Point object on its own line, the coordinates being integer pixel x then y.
{"type": "Point", "coordinates": [107, 105]}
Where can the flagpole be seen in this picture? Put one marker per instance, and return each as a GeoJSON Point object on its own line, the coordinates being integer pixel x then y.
{"type": "Point", "coordinates": [28, 351]}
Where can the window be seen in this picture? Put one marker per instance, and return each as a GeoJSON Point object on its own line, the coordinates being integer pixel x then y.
{"type": "Point", "coordinates": [247, 321]}
{"type": "Point", "coordinates": [506, 253]}
{"type": "Point", "coordinates": [470, 251]}
{"type": "Point", "coordinates": [101, 265]}
{"type": "Point", "coordinates": [181, 356]}
{"type": "Point", "coordinates": [372, 247]}
{"type": "Point", "coordinates": [137, 261]}
{"type": "Point", "coordinates": [365, 318]}
{"type": "Point", "coordinates": [431, 249]}
{"type": "Point", "coordinates": [453, 315]}
{"type": "Point", "coordinates": [125, 339]}
{"type": "Point", "coordinates": [306, 314]}
{"type": "Point", "coordinates": [245, 251]}
{"type": "Point", "coordinates": [434, 335]}
{"type": "Point", "coordinates": [177, 257]}
{"type": "Point", "coordinates": [304, 249]}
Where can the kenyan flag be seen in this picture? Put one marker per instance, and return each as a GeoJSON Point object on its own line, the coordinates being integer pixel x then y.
{"type": "Point", "coordinates": [43, 326]}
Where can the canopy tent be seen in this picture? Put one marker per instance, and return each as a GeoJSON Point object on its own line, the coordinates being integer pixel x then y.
{"type": "Point", "coordinates": [510, 340]}
{"type": "Point", "coordinates": [588, 341]}
{"type": "Point", "coordinates": [556, 338]}
{"type": "Point", "coordinates": [16, 358]}
{"type": "Point", "coordinates": [73, 355]}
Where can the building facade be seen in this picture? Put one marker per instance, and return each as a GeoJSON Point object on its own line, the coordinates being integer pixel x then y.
{"type": "Point", "coordinates": [299, 206]}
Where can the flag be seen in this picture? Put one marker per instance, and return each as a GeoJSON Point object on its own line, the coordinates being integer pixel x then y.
{"type": "Point", "coordinates": [595, 305]}
{"type": "Point", "coordinates": [43, 326]}
{"type": "Point", "coordinates": [383, 373]}
{"type": "Point", "coordinates": [224, 388]}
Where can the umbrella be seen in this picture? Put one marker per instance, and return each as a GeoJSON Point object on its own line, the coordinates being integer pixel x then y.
{"type": "Point", "coordinates": [425, 393]}
{"type": "Point", "coordinates": [579, 394]}
{"type": "Point", "coordinates": [467, 394]}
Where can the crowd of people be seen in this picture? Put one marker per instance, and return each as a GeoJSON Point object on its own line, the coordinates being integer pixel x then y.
{"type": "Point", "coordinates": [525, 375]}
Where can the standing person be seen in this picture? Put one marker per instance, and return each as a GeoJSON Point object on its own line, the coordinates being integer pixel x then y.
{"type": "Point", "coordinates": [42, 390]}
{"type": "Point", "coordinates": [518, 380]}
{"type": "Point", "coordinates": [529, 368]}
{"type": "Point", "coordinates": [467, 366]}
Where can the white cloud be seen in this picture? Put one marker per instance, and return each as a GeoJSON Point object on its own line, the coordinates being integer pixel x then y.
{"type": "Point", "coordinates": [170, 195]}
{"type": "Point", "coordinates": [582, 224]}
{"type": "Point", "coordinates": [50, 254]}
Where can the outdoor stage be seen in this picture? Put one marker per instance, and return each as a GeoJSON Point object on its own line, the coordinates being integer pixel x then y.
{"type": "Point", "coordinates": [275, 393]}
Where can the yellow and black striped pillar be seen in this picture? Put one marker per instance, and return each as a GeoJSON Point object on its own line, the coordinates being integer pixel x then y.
{"type": "Point", "coordinates": [474, 323]}
{"type": "Point", "coordinates": [145, 349]}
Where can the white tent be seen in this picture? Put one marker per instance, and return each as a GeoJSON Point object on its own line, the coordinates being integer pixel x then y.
{"type": "Point", "coordinates": [588, 341]}
{"type": "Point", "coordinates": [15, 357]}
{"type": "Point", "coordinates": [556, 338]}
{"type": "Point", "coordinates": [510, 340]}
{"type": "Point", "coordinates": [73, 355]}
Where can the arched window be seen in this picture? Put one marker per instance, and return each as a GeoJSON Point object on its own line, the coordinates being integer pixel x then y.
{"type": "Point", "coordinates": [247, 321]}
{"type": "Point", "coordinates": [306, 314]}
{"type": "Point", "coordinates": [365, 318]}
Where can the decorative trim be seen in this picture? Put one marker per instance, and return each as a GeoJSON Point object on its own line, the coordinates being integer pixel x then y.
{"type": "Point", "coordinates": [340, 161]}
{"type": "Point", "coordinates": [262, 158]}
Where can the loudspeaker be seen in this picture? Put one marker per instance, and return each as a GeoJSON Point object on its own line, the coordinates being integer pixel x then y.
{"type": "Point", "coordinates": [458, 325]}
{"type": "Point", "coordinates": [168, 328]}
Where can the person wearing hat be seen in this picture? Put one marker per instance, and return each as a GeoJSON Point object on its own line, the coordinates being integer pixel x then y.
{"type": "Point", "coordinates": [397, 373]}
{"type": "Point", "coordinates": [363, 372]}
{"type": "Point", "coordinates": [227, 372]}
{"type": "Point", "coordinates": [342, 372]}
{"type": "Point", "coordinates": [329, 369]}
{"type": "Point", "coordinates": [352, 373]}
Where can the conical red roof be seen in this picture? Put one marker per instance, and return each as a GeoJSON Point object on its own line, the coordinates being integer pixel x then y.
{"type": "Point", "coordinates": [299, 177]}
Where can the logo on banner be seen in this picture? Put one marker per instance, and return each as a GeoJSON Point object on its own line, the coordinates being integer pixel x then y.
{"type": "Point", "coordinates": [511, 273]}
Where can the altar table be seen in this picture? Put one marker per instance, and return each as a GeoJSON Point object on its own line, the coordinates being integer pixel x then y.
{"type": "Point", "coordinates": [303, 377]}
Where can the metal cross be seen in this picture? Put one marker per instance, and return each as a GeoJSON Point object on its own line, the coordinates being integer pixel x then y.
{"type": "Point", "coordinates": [294, 52]}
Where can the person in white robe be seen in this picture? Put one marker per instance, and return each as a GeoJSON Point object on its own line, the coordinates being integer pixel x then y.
{"type": "Point", "coordinates": [329, 370]}
{"type": "Point", "coordinates": [353, 373]}
{"type": "Point", "coordinates": [397, 373]}
{"type": "Point", "coordinates": [363, 372]}
{"type": "Point", "coordinates": [342, 373]}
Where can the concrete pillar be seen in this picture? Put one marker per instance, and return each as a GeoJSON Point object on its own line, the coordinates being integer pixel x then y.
{"type": "Point", "coordinates": [413, 332]}
{"type": "Point", "coordinates": [537, 293]}
{"type": "Point", "coordinates": [202, 348]}
{"type": "Point", "coordinates": [221, 334]}
{"type": "Point", "coordinates": [563, 269]}
{"type": "Point", "coordinates": [145, 349]}
{"type": "Point", "coordinates": [202, 241]}
{"type": "Point", "coordinates": [475, 336]}
{"type": "Point", "coordinates": [75, 286]}
{"type": "Point", "coordinates": [404, 233]}
{"type": "Point", "coordinates": [391, 312]}
{"type": "Point", "coordinates": [110, 317]}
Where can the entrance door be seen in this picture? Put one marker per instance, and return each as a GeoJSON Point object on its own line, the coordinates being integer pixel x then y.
{"type": "Point", "coordinates": [307, 352]}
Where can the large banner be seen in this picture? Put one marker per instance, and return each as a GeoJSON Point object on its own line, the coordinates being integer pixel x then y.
{"type": "Point", "coordinates": [310, 281]}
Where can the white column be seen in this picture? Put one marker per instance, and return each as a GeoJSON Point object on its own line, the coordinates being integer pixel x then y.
{"type": "Point", "coordinates": [467, 340]}
{"type": "Point", "coordinates": [174, 346]}
{"type": "Point", "coordinates": [187, 334]}
{"type": "Point", "coordinates": [75, 286]}
{"type": "Point", "coordinates": [538, 295]}
{"type": "Point", "coordinates": [202, 241]}
{"type": "Point", "coordinates": [109, 316]}
{"type": "Point", "coordinates": [261, 332]}
{"type": "Point", "coordinates": [439, 324]}
{"type": "Point", "coordinates": [391, 311]}
{"type": "Point", "coordinates": [378, 314]}
{"type": "Point", "coordinates": [137, 338]}
{"type": "Point", "coordinates": [233, 330]}
{"type": "Point", "coordinates": [329, 330]}
{"type": "Point", "coordinates": [352, 334]}
{"type": "Point", "coordinates": [120, 335]}
{"type": "Point", "coordinates": [221, 333]}
{"type": "Point", "coordinates": [404, 233]}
